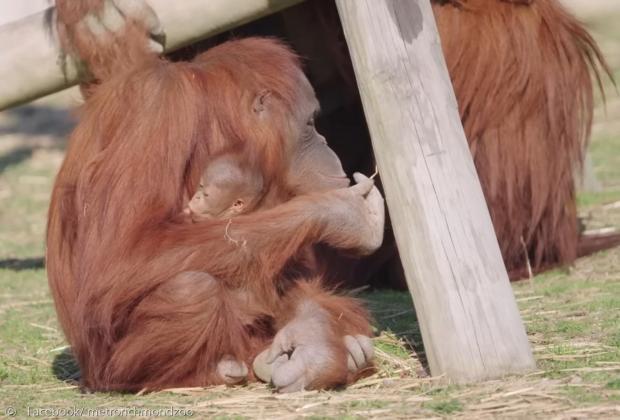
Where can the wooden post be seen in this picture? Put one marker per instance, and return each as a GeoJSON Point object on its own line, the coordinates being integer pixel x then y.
{"type": "Point", "coordinates": [470, 323]}
{"type": "Point", "coordinates": [31, 64]}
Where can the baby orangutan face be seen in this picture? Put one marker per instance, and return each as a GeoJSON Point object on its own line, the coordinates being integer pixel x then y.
{"type": "Point", "coordinates": [214, 202]}
{"type": "Point", "coordinates": [228, 189]}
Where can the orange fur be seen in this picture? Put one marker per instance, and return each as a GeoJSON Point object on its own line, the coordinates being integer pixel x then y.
{"type": "Point", "coordinates": [128, 274]}
{"type": "Point", "coordinates": [348, 317]}
{"type": "Point", "coordinates": [521, 73]}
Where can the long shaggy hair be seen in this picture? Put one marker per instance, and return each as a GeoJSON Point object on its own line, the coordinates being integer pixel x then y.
{"type": "Point", "coordinates": [147, 300]}
{"type": "Point", "coordinates": [522, 75]}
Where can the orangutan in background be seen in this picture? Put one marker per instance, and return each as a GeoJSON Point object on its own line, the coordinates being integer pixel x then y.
{"type": "Point", "coordinates": [521, 70]}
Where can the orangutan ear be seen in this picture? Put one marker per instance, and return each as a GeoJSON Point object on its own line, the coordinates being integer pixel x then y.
{"type": "Point", "coordinates": [261, 102]}
{"type": "Point", "coordinates": [238, 205]}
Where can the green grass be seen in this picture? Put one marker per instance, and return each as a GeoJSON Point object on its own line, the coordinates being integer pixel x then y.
{"type": "Point", "coordinates": [587, 199]}
{"type": "Point", "coordinates": [445, 406]}
{"type": "Point", "coordinates": [605, 152]}
{"type": "Point", "coordinates": [613, 384]}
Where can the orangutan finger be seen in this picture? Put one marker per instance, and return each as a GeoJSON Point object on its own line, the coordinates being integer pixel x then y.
{"type": "Point", "coordinates": [93, 24]}
{"type": "Point", "coordinates": [281, 344]}
{"type": "Point", "coordinates": [288, 374]}
{"type": "Point", "coordinates": [367, 346]}
{"type": "Point", "coordinates": [140, 11]}
{"type": "Point", "coordinates": [262, 368]}
{"type": "Point", "coordinates": [111, 18]}
{"type": "Point", "coordinates": [356, 359]}
{"type": "Point", "coordinates": [363, 184]}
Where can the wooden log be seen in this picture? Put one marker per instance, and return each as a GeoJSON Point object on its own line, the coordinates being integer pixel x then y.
{"type": "Point", "coordinates": [468, 316]}
{"type": "Point", "coordinates": [31, 64]}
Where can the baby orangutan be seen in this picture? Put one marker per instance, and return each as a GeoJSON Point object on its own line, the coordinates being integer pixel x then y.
{"type": "Point", "coordinates": [227, 189]}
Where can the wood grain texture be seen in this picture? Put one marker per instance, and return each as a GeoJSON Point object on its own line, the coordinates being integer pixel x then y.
{"type": "Point", "coordinates": [32, 66]}
{"type": "Point", "coordinates": [470, 323]}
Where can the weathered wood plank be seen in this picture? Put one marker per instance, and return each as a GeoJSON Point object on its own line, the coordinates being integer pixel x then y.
{"type": "Point", "coordinates": [31, 66]}
{"type": "Point", "coordinates": [470, 323]}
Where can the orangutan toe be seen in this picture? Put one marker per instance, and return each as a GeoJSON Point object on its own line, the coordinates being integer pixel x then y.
{"type": "Point", "coordinates": [261, 366]}
{"type": "Point", "coordinates": [232, 371]}
{"type": "Point", "coordinates": [361, 352]}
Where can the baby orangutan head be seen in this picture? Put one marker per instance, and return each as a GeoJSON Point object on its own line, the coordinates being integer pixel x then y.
{"type": "Point", "coordinates": [227, 189]}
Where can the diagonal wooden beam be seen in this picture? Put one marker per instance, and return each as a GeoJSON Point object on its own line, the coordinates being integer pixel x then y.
{"type": "Point", "coordinates": [468, 316]}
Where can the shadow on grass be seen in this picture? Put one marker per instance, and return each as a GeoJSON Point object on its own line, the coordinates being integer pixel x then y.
{"type": "Point", "coordinates": [31, 127]}
{"type": "Point", "coordinates": [38, 120]}
{"type": "Point", "coordinates": [65, 368]}
{"type": "Point", "coordinates": [394, 311]}
{"type": "Point", "coordinates": [19, 264]}
{"type": "Point", "coordinates": [14, 157]}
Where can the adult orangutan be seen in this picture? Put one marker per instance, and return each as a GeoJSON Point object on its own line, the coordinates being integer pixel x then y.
{"type": "Point", "coordinates": [521, 73]}
{"type": "Point", "coordinates": [150, 301]}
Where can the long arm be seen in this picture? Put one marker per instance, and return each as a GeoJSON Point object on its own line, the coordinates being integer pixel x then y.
{"type": "Point", "coordinates": [260, 244]}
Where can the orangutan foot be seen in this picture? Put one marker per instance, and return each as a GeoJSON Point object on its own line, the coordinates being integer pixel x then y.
{"type": "Point", "coordinates": [360, 355]}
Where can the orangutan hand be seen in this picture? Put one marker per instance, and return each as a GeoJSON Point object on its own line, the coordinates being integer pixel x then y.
{"type": "Point", "coordinates": [114, 15]}
{"type": "Point", "coordinates": [355, 216]}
